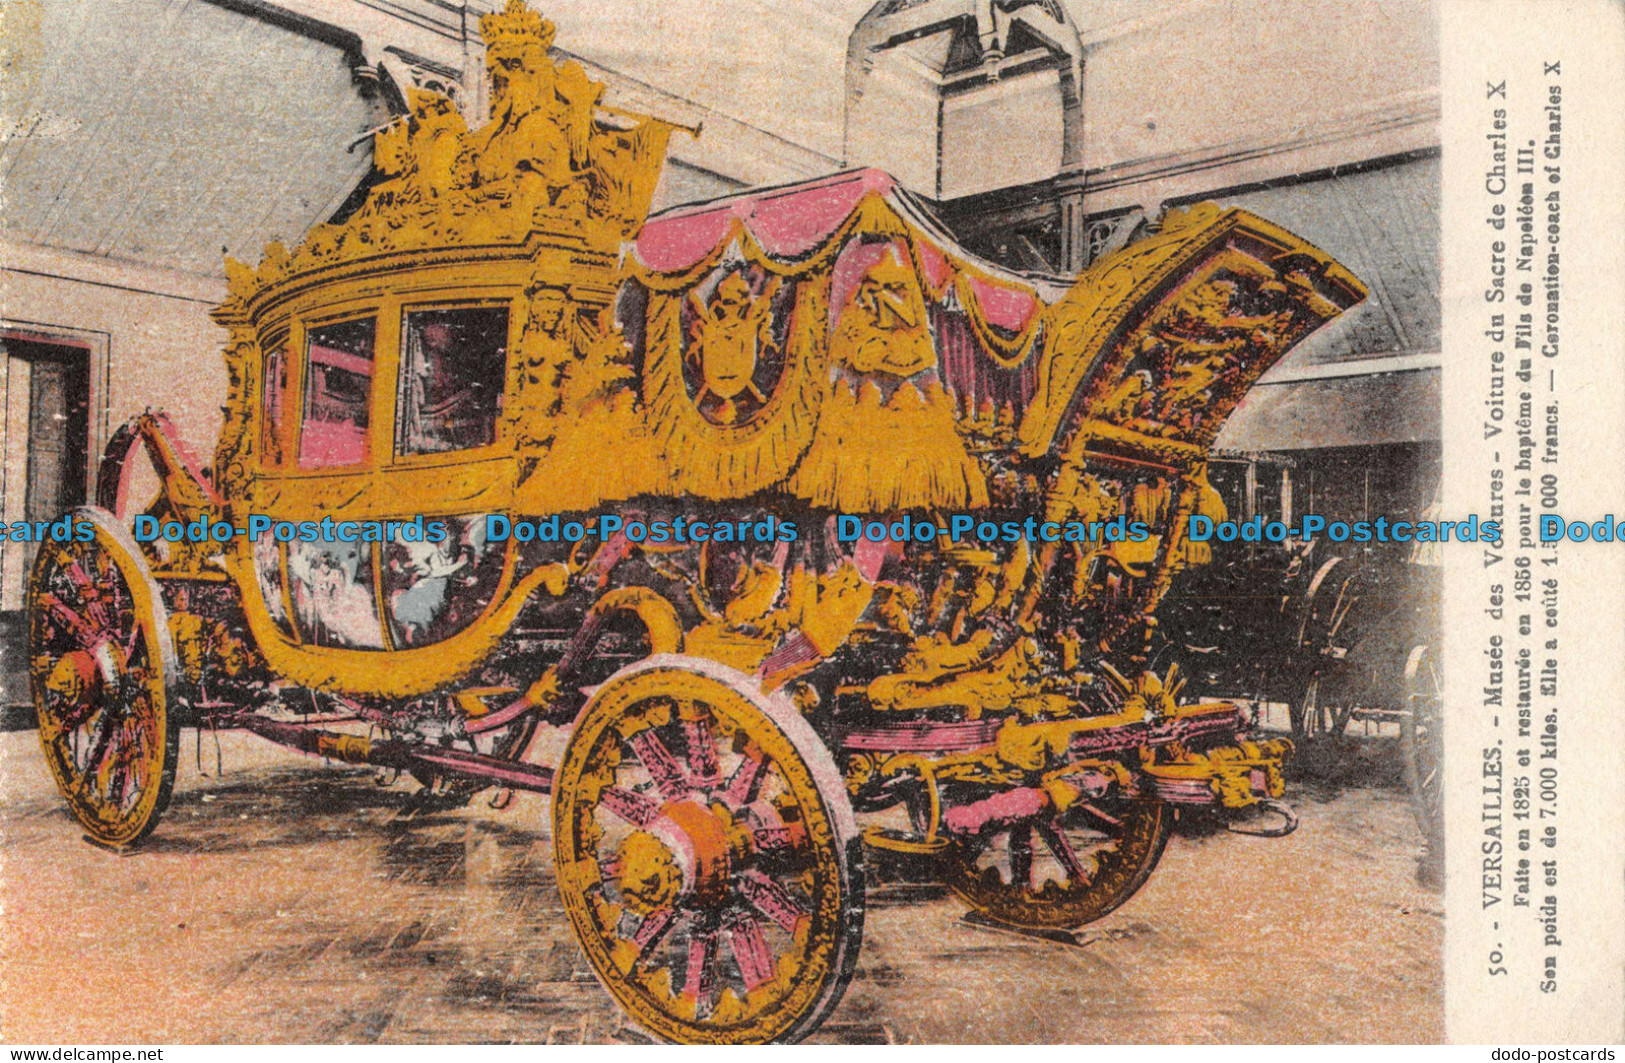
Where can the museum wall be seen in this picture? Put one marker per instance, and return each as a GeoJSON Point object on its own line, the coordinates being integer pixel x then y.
{"type": "Point", "coordinates": [1203, 96]}
{"type": "Point", "coordinates": [153, 346]}
{"type": "Point", "coordinates": [893, 125]}
{"type": "Point", "coordinates": [1007, 133]}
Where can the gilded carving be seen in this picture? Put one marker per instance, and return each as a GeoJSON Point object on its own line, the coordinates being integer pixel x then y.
{"type": "Point", "coordinates": [882, 328]}
{"type": "Point", "coordinates": [488, 347]}
{"type": "Point", "coordinates": [728, 338]}
{"type": "Point", "coordinates": [236, 445]}
{"type": "Point", "coordinates": [546, 347]}
{"type": "Point", "coordinates": [1197, 346]}
{"type": "Point", "coordinates": [536, 142]}
{"type": "Point", "coordinates": [717, 447]}
{"type": "Point", "coordinates": [551, 156]}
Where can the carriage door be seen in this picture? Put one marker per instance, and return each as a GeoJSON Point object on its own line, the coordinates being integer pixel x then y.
{"type": "Point", "coordinates": [47, 443]}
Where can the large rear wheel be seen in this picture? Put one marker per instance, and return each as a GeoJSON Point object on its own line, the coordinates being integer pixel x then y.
{"type": "Point", "coordinates": [707, 855]}
{"type": "Point", "coordinates": [101, 661]}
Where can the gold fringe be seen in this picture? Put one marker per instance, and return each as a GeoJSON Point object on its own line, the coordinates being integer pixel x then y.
{"type": "Point", "coordinates": [604, 453]}
{"type": "Point", "coordinates": [721, 461]}
{"type": "Point", "coordinates": [870, 457]}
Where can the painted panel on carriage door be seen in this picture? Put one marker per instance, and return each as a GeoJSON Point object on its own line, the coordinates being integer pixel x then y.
{"type": "Point", "coordinates": [434, 590]}
{"type": "Point", "coordinates": [333, 597]}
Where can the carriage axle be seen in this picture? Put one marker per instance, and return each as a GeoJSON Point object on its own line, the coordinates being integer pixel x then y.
{"type": "Point", "coordinates": [392, 753]}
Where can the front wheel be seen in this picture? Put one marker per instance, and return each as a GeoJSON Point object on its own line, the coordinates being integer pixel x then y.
{"type": "Point", "coordinates": [101, 661]}
{"type": "Point", "coordinates": [707, 855]}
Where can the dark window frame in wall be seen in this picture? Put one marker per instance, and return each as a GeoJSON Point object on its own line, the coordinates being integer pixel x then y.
{"type": "Point", "coordinates": [1038, 210]}
{"type": "Point", "coordinates": [98, 346]}
{"type": "Point", "coordinates": [976, 219]}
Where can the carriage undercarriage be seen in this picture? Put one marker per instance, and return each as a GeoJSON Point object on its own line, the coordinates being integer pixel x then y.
{"type": "Point", "coordinates": [705, 819]}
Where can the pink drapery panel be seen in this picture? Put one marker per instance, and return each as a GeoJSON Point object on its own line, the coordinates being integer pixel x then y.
{"type": "Point", "coordinates": [788, 222]}
{"type": "Point", "coordinates": [793, 224]}
{"type": "Point", "coordinates": [1010, 309]}
{"type": "Point", "coordinates": [797, 222]}
{"type": "Point", "coordinates": [971, 375]}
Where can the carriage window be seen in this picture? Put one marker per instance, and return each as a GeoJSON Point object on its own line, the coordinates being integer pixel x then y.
{"type": "Point", "coordinates": [452, 368]}
{"type": "Point", "coordinates": [338, 389]}
{"type": "Point", "coordinates": [275, 384]}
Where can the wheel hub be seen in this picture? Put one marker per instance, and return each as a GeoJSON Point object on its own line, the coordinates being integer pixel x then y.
{"type": "Point", "coordinates": [649, 877]}
{"type": "Point", "coordinates": [698, 839]}
{"type": "Point", "coordinates": [687, 852]}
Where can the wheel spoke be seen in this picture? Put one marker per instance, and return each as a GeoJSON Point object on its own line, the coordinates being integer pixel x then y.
{"type": "Point", "coordinates": [630, 805]}
{"type": "Point", "coordinates": [772, 900]}
{"type": "Point", "coordinates": [699, 983]}
{"type": "Point", "coordinates": [1021, 857]}
{"type": "Point", "coordinates": [653, 930]}
{"type": "Point", "coordinates": [667, 773]}
{"type": "Point", "coordinates": [751, 952]}
{"type": "Point", "coordinates": [121, 773]}
{"type": "Point", "coordinates": [767, 827]}
{"type": "Point", "coordinates": [743, 784]}
{"type": "Point", "coordinates": [1057, 843]}
{"type": "Point", "coordinates": [100, 741]}
{"type": "Point", "coordinates": [105, 767]}
{"type": "Point", "coordinates": [1095, 812]}
{"type": "Point", "coordinates": [133, 759]}
{"type": "Point", "coordinates": [94, 591]}
{"type": "Point", "coordinates": [89, 635]}
{"type": "Point", "coordinates": [699, 745]}
{"type": "Point", "coordinates": [134, 643]}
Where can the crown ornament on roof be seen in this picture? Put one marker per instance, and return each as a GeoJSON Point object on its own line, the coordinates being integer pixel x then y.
{"type": "Point", "coordinates": [517, 24]}
{"type": "Point", "coordinates": [554, 163]}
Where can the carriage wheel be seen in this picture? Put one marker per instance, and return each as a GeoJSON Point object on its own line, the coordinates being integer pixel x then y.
{"type": "Point", "coordinates": [1061, 871]}
{"type": "Point", "coordinates": [1421, 735]}
{"type": "Point", "coordinates": [101, 660]}
{"type": "Point", "coordinates": [1328, 703]}
{"type": "Point", "coordinates": [708, 855]}
{"type": "Point", "coordinates": [1316, 717]}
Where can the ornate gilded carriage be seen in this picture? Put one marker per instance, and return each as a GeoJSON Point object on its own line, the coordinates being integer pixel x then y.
{"type": "Point", "coordinates": [496, 331]}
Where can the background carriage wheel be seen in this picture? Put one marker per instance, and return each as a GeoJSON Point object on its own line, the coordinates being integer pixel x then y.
{"type": "Point", "coordinates": [1421, 736]}
{"type": "Point", "coordinates": [1323, 709]}
{"type": "Point", "coordinates": [1058, 872]}
{"type": "Point", "coordinates": [101, 661]}
{"type": "Point", "coordinates": [708, 855]}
